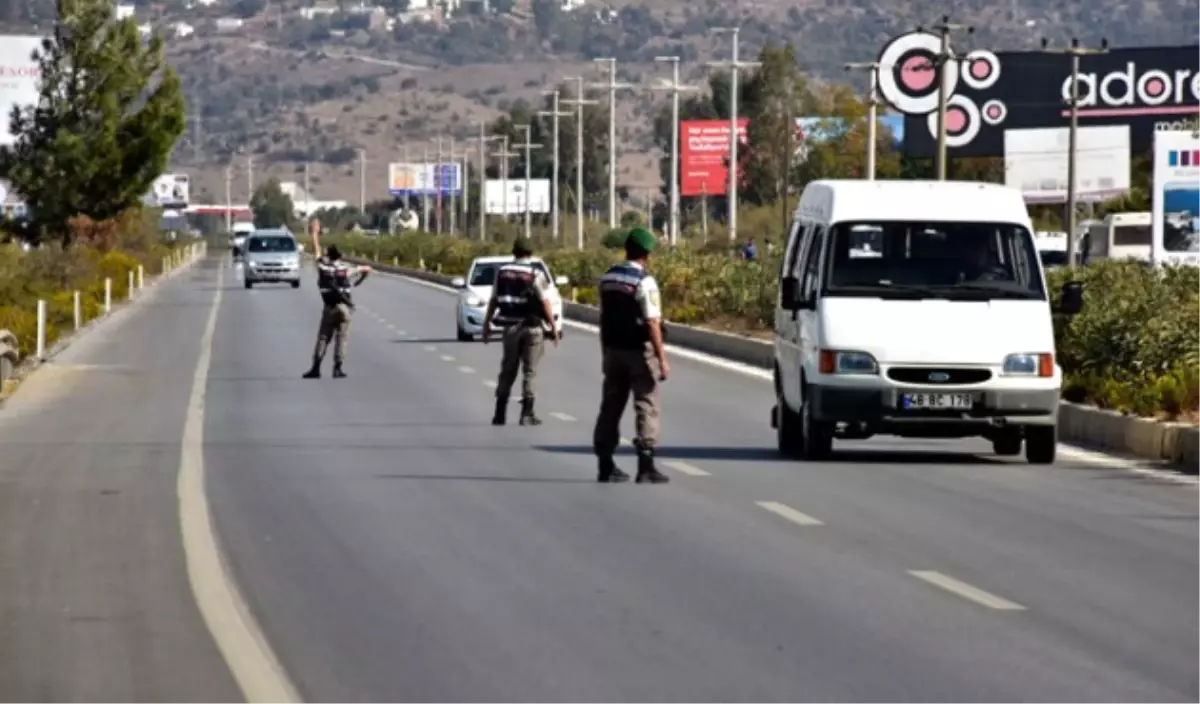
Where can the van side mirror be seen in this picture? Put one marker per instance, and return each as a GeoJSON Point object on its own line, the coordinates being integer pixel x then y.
{"type": "Point", "coordinates": [1071, 300]}
{"type": "Point", "coordinates": [790, 297]}
{"type": "Point", "coordinates": [458, 282]}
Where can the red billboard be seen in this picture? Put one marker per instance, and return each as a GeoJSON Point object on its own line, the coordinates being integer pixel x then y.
{"type": "Point", "coordinates": [704, 149]}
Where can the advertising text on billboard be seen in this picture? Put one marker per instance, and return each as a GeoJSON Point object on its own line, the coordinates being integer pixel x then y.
{"type": "Point", "coordinates": [703, 151]}
{"type": "Point", "coordinates": [1175, 209]}
{"type": "Point", "coordinates": [19, 75]}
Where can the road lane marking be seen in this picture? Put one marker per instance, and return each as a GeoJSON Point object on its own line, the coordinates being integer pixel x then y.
{"type": "Point", "coordinates": [563, 417]}
{"type": "Point", "coordinates": [447, 358]}
{"type": "Point", "coordinates": [238, 636]}
{"type": "Point", "coordinates": [466, 370]}
{"type": "Point", "coordinates": [490, 383]}
{"type": "Point", "coordinates": [685, 468]}
{"type": "Point", "coordinates": [966, 591]}
{"type": "Point", "coordinates": [431, 348]}
{"type": "Point", "coordinates": [789, 513]}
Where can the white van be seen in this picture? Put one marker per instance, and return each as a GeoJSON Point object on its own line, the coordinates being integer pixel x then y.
{"type": "Point", "coordinates": [915, 308]}
{"type": "Point", "coordinates": [1120, 236]}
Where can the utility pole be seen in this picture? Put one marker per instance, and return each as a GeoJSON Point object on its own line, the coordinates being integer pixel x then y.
{"type": "Point", "coordinates": [578, 101]}
{"type": "Point", "coordinates": [483, 140]}
{"type": "Point", "coordinates": [504, 155]}
{"type": "Point", "coordinates": [249, 178]}
{"type": "Point", "coordinates": [229, 199]}
{"type": "Point", "coordinates": [452, 162]}
{"type": "Point", "coordinates": [1075, 51]}
{"type": "Point", "coordinates": [554, 114]}
{"type": "Point", "coordinates": [735, 66]}
{"type": "Point", "coordinates": [307, 197]}
{"type": "Point", "coordinates": [362, 181]}
{"type": "Point", "coordinates": [439, 184]}
{"type": "Point", "coordinates": [528, 147]}
{"type": "Point", "coordinates": [872, 69]}
{"type": "Point", "coordinates": [675, 87]}
{"type": "Point", "coordinates": [944, 29]}
{"type": "Point", "coordinates": [196, 117]}
{"type": "Point", "coordinates": [424, 189]}
{"type": "Point", "coordinates": [612, 87]}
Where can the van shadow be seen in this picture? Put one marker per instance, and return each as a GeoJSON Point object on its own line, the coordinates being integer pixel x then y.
{"type": "Point", "coordinates": [766, 454]}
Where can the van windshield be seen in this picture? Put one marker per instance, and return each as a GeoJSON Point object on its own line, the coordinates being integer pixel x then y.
{"type": "Point", "coordinates": [958, 261]}
{"type": "Point", "coordinates": [272, 244]}
{"type": "Point", "coordinates": [485, 274]}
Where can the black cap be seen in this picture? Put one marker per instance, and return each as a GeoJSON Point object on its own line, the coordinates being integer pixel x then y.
{"type": "Point", "coordinates": [333, 252]}
{"type": "Point", "coordinates": [522, 247]}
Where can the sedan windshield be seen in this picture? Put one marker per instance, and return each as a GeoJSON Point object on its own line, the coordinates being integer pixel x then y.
{"type": "Point", "coordinates": [960, 261]}
{"type": "Point", "coordinates": [485, 274]}
{"type": "Point", "coordinates": [272, 244]}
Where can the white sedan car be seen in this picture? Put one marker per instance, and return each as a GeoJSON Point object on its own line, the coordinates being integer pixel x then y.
{"type": "Point", "coordinates": [476, 289]}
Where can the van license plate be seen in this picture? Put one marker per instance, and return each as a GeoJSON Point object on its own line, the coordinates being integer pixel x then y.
{"type": "Point", "coordinates": [950, 402]}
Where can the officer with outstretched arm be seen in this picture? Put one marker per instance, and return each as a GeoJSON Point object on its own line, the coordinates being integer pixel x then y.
{"type": "Point", "coordinates": [335, 278]}
{"type": "Point", "coordinates": [633, 359]}
{"type": "Point", "coordinates": [520, 307]}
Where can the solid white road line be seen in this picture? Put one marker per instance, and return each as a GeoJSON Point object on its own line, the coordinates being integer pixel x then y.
{"type": "Point", "coordinates": [966, 591]}
{"type": "Point", "coordinates": [563, 417]}
{"type": "Point", "coordinates": [237, 634]}
{"type": "Point", "coordinates": [466, 370]}
{"type": "Point", "coordinates": [685, 468]}
{"type": "Point", "coordinates": [789, 513]}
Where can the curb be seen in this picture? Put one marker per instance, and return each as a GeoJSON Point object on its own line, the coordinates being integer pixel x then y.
{"type": "Point", "coordinates": [1146, 438]}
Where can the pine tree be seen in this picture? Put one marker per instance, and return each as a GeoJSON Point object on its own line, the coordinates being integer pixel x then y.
{"type": "Point", "coordinates": [109, 113]}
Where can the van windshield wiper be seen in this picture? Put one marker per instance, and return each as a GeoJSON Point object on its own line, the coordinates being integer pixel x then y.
{"type": "Point", "coordinates": [1006, 289]}
{"type": "Point", "coordinates": [882, 289]}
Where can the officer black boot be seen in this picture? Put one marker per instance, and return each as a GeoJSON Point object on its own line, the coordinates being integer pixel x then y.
{"type": "Point", "coordinates": [527, 417]}
{"type": "Point", "coordinates": [610, 473]}
{"type": "Point", "coordinates": [647, 472]}
{"type": "Point", "coordinates": [314, 372]}
{"type": "Point", "coordinates": [501, 411]}
{"type": "Point", "coordinates": [338, 372]}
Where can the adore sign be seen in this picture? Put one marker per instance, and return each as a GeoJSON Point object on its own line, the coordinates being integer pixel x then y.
{"type": "Point", "coordinates": [1150, 89]}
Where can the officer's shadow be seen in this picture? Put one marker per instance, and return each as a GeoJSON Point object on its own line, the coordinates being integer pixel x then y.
{"type": "Point", "coordinates": [677, 453]}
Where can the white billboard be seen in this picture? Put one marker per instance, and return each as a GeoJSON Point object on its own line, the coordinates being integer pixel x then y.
{"type": "Point", "coordinates": [19, 75]}
{"type": "Point", "coordinates": [169, 191]}
{"type": "Point", "coordinates": [1175, 209]}
{"type": "Point", "coordinates": [539, 196]}
{"type": "Point", "coordinates": [425, 179]}
{"type": "Point", "coordinates": [1035, 161]}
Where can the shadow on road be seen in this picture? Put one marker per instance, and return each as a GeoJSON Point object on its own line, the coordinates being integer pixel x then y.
{"type": "Point", "coordinates": [767, 454]}
{"type": "Point", "coordinates": [427, 341]}
{"type": "Point", "coordinates": [467, 478]}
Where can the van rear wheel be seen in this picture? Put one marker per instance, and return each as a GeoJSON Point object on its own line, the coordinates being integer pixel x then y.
{"type": "Point", "coordinates": [1041, 444]}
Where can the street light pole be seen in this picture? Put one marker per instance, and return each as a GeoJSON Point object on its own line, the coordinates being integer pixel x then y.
{"type": "Point", "coordinates": [439, 184]}
{"type": "Point", "coordinates": [675, 87]}
{"type": "Point", "coordinates": [504, 155]}
{"type": "Point", "coordinates": [945, 55]}
{"type": "Point", "coordinates": [612, 87]}
{"type": "Point", "coordinates": [529, 147]}
{"type": "Point", "coordinates": [872, 69]}
{"type": "Point", "coordinates": [734, 65]}
{"type": "Point", "coordinates": [1075, 51]}
{"type": "Point", "coordinates": [454, 182]}
{"type": "Point", "coordinates": [578, 101]}
{"type": "Point", "coordinates": [362, 181]}
{"type": "Point", "coordinates": [554, 114]}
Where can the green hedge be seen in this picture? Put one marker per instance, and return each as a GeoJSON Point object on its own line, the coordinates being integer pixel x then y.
{"type": "Point", "coordinates": [1133, 348]}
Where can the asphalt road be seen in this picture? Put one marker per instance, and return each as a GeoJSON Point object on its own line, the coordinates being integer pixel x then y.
{"type": "Point", "coordinates": [394, 546]}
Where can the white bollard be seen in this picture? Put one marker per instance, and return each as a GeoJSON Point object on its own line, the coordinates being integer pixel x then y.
{"type": "Point", "coordinates": [78, 312]}
{"type": "Point", "coordinates": [141, 277]}
{"type": "Point", "coordinates": [107, 295]}
{"type": "Point", "coordinates": [131, 282]}
{"type": "Point", "coordinates": [41, 329]}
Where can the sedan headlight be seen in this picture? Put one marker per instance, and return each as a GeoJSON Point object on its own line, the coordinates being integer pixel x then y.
{"type": "Point", "coordinates": [474, 302]}
{"type": "Point", "coordinates": [1029, 364]}
{"type": "Point", "coordinates": [847, 362]}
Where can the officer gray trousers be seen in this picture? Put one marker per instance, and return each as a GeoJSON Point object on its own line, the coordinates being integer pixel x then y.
{"type": "Point", "coordinates": [524, 346]}
{"type": "Point", "coordinates": [335, 322]}
{"type": "Point", "coordinates": [627, 372]}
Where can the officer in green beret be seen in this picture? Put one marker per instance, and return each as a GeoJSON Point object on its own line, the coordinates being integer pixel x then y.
{"type": "Point", "coordinates": [634, 360]}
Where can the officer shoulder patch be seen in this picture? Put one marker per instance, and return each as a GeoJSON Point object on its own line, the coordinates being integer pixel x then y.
{"type": "Point", "coordinates": [654, 299]}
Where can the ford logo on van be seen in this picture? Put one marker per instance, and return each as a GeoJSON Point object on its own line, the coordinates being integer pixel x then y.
{"type": "Point", "coordinates": [939, 377]}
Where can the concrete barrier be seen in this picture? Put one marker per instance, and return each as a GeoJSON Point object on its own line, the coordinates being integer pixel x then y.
{"type": "Point", "coordinates": [1177, 443]}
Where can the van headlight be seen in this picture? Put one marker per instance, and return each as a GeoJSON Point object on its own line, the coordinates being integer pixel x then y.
{"type": "Point", "coordinates": [847, 362]}
{"type": "Point", "coordinates": [1038, 364]}
{"type": "Point", "coordinates": [474, 302]}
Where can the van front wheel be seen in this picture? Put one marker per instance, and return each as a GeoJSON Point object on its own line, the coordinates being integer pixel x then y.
{"type": "Point", "coordinates": [818, 436]}
{"type": "Point", "coordinates": [787, 429]}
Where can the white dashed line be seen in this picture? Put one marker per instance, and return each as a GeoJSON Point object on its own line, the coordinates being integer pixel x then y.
{"type": "Point", "coordinates": [447, 358]}
{"type": "Point", "coordinates": [685, 468]}
{"type": "Point", "coordinates": [966, 591]}
{"type": "Point", "coordinates": [789, 513]}
{"type": "Point", "coordinates": [490, 383]}
{"type": "Point", "coordinates": [563, 417]}
{"type": "Point", "coordinates": [431, 348]}
{"type": "Point", "coordinates": [466, 370]}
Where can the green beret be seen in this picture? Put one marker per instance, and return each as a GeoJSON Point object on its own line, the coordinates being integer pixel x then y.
{"type": "Point", "coordinates": [522, 246]}
{"type": "Point", "coordinates": [643, 238]}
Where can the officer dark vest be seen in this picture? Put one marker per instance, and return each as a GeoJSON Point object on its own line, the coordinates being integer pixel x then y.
{"type": "Point", "coordinates": [517, 296]}
{"type": "Point", "coordinates": [333, 279]}
{"type": "Point", "coordinates": [622, 323]}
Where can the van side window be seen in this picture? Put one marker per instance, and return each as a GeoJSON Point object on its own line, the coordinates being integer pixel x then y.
{"type": "Point", "coordinates": [792, 251]}
{"type": "Point", "coordinates": [802, 244]}
{"type": "Point", "coordinates": [812, 262]}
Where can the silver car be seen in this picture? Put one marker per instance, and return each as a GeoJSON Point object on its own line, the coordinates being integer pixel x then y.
{"type": "Point", "coordinates": [271, 256]}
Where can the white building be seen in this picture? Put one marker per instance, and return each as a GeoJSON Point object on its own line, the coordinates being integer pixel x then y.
{"type": "Point", "coordinates": [229, 24]}
{"type": "Point", "coordinates": [124, 11]}
{"type": "Point", "coordinates": [182, 29]}
{"type": "Point", "coordinates": [305, 203]}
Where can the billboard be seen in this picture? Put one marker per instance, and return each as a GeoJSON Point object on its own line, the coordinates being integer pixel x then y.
{"type": "Point", "coordinates": [539, 196]}
{"type": "Point", "coordinates": [1150, 89]}
{"type": "Point", "coordinates": [19, 75]}
{"type": "Point", "coordinates": [424, 179]}
{"type": "Point", "coordinates": [1175, 209]}
{"type": "Point", "coordinates": [1035, 162]}
{"type": "Point", "coordinates": [169, 191]}
{"type": "Point", "coordinates": [703, 151]}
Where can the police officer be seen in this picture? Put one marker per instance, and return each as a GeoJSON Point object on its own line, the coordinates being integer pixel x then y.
{"type": "Point", "coordinates": [519, 306]}
{"type": "Point", "coordinates": [335, 278]}
{"type": "Point", "coordinates": [634, 360]}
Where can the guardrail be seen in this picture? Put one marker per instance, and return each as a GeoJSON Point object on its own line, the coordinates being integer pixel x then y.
{"type": "Point", "coordinates": [1177, 443]}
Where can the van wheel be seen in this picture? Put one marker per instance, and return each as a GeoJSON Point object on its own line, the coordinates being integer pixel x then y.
{"type": "Point", "coordinates": [787, 429]}
{"type": "Point", "coordinates": [1007, 442]}
{"type": "Point", "coordinates": [295, 284]}
{"type": "Point", "coordinates": [249, 284]}
{"type": "Point", "coordinates": [1041, 444]}
{"type": "Point", "coordinates": [463, 336]}
{"type": "Point", "coordinates": [818, 436]}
